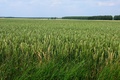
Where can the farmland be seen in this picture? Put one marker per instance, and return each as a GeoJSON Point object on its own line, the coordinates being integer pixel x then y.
{"type": "Point", "coordinates": [33, 49]}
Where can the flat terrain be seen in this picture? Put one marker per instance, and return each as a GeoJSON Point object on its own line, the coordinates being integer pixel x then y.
{"type": "Point", "coordinates": [32, 49]}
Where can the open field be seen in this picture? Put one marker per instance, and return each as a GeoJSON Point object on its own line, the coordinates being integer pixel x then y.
{"type": "Point", "coordinates": [59, 50]}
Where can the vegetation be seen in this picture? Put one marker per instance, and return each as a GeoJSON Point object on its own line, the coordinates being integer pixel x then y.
{"type": "Point", "coordinates": [117, 17]}
{"type": "Point", "coordinates": [89, 17]}
{"type": "Point", "coordinates": [59, 50]}
{"type": "Point", "coordinates": [101, 17]}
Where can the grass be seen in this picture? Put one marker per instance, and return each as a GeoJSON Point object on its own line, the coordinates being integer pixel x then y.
{"type": "Point", "coordinates": [59, 50]}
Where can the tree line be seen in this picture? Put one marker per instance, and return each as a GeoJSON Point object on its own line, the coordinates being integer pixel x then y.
{"type": "Point", "coordinates": [106, 17]}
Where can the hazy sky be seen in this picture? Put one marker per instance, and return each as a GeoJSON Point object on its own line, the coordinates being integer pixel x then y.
{"type": "Point", "coordinates": [58, 8]}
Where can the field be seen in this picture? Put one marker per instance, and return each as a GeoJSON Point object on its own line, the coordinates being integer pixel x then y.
{"type": "Point", "coordinates": [32, 49]}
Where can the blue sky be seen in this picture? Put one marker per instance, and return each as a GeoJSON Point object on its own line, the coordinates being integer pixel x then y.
{"type": "Point", "coordinates": [58, 8]}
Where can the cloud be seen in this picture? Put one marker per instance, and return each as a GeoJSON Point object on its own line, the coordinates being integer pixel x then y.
{"type": "Point", "coordinates": [55, 2]}
{"type": "Point", "coordinates": [108, 3]}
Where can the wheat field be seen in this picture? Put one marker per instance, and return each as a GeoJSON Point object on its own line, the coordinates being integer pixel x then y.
{"type": "Point", "coordinates": [33, 49]}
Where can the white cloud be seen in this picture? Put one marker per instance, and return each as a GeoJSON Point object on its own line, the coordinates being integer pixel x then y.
{"type": "Point", "coordinates": [106, 3]}
{"type": "Point", "coordinates": [55, 2]}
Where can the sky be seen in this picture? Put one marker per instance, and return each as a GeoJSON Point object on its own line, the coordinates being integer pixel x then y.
{"type": "Point", "coordinates": [58, 8]}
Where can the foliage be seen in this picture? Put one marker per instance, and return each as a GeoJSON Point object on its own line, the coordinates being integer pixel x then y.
{"type": "Point", "coordinates": [107, 17]}
{"type": "Point", "coordinates": [117, 17]}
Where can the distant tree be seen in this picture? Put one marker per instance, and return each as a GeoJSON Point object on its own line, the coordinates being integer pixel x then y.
{"type": "Point", "coordinates": [108, 17]}
{"type": "Point", "coordinates": [117, 17]}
